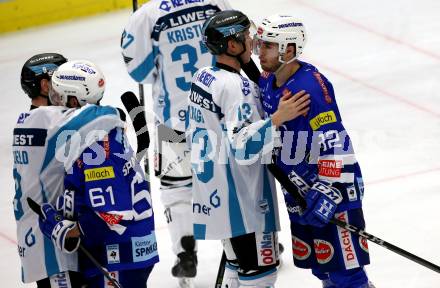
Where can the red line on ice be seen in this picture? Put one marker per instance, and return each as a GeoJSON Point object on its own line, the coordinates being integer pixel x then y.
{"type": "Point", "coordinates": [369, 30]}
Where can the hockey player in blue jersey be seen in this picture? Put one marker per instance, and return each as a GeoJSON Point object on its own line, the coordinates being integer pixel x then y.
{"type": "Point", "coordinates": [106, 199]}
{"type": "Point", "coordinates": [318, 157]}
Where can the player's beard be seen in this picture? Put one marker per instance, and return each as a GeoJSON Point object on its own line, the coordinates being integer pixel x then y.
{"type": "Point", "coordinates": [271, 67]}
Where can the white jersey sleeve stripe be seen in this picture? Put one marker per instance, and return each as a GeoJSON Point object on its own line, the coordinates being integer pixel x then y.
{"type": "Point", "coordinates": [140, 73]}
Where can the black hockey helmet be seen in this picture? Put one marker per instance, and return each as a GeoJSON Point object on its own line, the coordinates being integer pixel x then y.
{"type": "Point", "coordinates": [36, 68]}
{"type": "Point", "coordinates": [222, 26]}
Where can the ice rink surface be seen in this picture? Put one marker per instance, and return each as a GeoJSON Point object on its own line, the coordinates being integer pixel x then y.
{"type": "Point", "coordinates": [383, 58]}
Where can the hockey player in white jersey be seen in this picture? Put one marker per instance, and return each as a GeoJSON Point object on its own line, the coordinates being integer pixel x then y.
{"type": "Point", "coordinates": [105, 194]}
{"type": "Point", "coordinates": [162, 46]}
{"type": "Point", "coordinates": [39, 171]}
{"type": "Point", "coordinates": [234, 196]}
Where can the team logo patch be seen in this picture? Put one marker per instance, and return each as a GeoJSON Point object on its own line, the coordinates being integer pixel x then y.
{"type": "Point", "coordinates": [363, 243]}
{"type": "Point", "coordinates": [330, 168]}
{"type": "Point", "coordinates": [301, 250]}
{"type": "Point", "coordinates": [99, 173]}
{"type": "Point", "coordinates": [322, 119]}
{"type": "Point", "coordinates": [113, 254]}
{"type": "Point", "coordinates": [352, 194]}
{"type": "Point", "coordinates": [324, 251]}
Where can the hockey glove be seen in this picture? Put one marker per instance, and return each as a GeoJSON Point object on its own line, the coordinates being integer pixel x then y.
{"type": "Point", "coordinates": [322, 201]}
{"type": "Point", "coordinates": [69, 203]}
{"type": "Point", "coordinates": [54, 226]}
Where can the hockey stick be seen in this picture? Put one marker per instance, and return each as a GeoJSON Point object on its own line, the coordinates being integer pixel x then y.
{"type": "Point", "coordinates": [37, 209]}
{"type": "Point", "coordinates": [141, 87]}
{"type": "Point", "coordinates": [137, 115]}
{"type": "Point", "coordinates": [221, 271]}
{"type": "Point", "coordinates": [292, 190]}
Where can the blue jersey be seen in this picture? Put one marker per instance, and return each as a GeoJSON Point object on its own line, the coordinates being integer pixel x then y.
{"type": "Point", "coordinates": [316, 147]}
{"type": "Point", "coordinates": [113, 206]}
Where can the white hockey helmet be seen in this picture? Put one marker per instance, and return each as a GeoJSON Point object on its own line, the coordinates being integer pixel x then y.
{"type": "Point", "coordinates": [79, 78]}
{"type": "Point", "coordinates": [284, 30]}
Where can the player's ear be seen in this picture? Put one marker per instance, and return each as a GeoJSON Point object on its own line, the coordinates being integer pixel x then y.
{"type": "Point", "coordinates": [290, 52]}
{"type": "Point", "coordinates": [232, 46]}
{"type": "Point", "coordinates": [44, 87]}
{"type": "Point", "coordinates": [72, 102]}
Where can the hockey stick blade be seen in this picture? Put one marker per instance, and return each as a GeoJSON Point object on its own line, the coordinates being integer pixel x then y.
{"type": "Point", "coordinates": [37, 209]}
{"type": "Point", "coordinates": [34, 206]}
{"type": "Point", "coordinates": [292, 190]}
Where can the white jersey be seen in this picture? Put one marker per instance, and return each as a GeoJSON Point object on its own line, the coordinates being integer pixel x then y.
{"type": "Point", "coordinates": [233, 193]}
{"type": "Point", "coordinates": [161, 45]}
{"type": "Point", "coordinates": [40, 157]}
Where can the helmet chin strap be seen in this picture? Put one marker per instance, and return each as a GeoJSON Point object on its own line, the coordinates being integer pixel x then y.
{"type": "Point", "coordinates": [283, 63]}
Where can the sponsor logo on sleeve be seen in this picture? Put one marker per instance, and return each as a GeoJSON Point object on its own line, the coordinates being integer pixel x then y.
{"type": "Point", "coordinates": [100, 173]}
{"type": "Point", "coordinates": [113, 254]}
{"type": "Point", "coordinates": [301, 250]}
{"type": "Point", "coordinates": [324, 88]}
{"type": "Point", "coordinates": [330, 168]}
{"type": "Point", "coordinates": [322, 119]}
{"type": "Point", "coordinates": [144, 248]}
{"type": "Point", "coordinates": [324, 251]}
